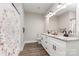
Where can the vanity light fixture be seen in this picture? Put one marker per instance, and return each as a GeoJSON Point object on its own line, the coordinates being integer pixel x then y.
{"type": "Point", "coordinates": [50, 14]}
{"type": "Point", "coordinates": [64, 5]}
{"type": "Point", "coordinates": [59, 6]}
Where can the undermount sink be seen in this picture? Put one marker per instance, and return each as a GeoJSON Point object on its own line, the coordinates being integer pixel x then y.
{"type": "Point", "coordinates": [69, 36]}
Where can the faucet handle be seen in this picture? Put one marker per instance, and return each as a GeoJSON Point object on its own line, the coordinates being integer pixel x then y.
{"type": "Point", "coordinates": [69, 31]}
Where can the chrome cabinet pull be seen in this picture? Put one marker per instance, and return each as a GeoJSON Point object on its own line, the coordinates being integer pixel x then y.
{"type": "Point", "coordinates": [42, 38]}
{"type": "Point", "coordinates": [54, 47]}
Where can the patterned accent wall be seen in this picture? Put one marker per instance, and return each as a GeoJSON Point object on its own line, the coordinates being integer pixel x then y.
{"type": "Point", "coordinates": [10, 31]}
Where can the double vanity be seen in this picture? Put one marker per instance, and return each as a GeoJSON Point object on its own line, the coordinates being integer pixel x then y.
{"type": "Point", "coordinates": [57, 45]}
{"type": "Point", "coordinates": [61, 34]}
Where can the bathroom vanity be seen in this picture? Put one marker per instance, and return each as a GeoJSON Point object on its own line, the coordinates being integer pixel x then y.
{"type": "Point", "coordinates": [57, 45]}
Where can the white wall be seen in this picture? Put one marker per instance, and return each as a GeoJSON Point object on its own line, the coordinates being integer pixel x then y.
{"type": "Point", "coordinates": [63, 20]}
{"type": "Point", "coordinates": [10, 30]}
{"type": "Point", "coordinates": [19, 7]}
{"type": "Point", "coordinates": [34, 24]}
{"type": "Point", "coordinates": [53, 23]}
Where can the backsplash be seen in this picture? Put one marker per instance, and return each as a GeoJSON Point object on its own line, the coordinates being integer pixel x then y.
{"type": "Point", "coordinates": [9, 30]}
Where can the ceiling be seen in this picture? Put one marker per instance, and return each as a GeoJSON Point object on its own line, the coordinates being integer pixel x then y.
{"type": "Point", "coordinates": [40, 8]}
{"type": "Point", "coordinates": [69, 8]}
{"type": "Point", "coordinates": [43, 8]}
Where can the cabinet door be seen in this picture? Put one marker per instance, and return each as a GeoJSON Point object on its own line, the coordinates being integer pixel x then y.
{"type": "Point", "coordinates": [46, 44]}
{"type": "Point", "coordinates": [57, 47]}
{"type": "Point", "coordinates": [50, 49]}
{"type": "Point", "coordinates": [43, 41]}
{"type": "Point", "coordinates": [53, 46]}
{"type": "Point", "coordinates": [58, 50]}
{"type": "Point", "coordinates": [50, 46]}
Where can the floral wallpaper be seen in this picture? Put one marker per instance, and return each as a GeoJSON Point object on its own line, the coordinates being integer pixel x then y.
{"type": "Point", "coordinates": [10, 30]}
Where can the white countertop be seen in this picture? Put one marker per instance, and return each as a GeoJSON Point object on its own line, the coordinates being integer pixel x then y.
{"type": "Point", "coordinates": [61, 37]}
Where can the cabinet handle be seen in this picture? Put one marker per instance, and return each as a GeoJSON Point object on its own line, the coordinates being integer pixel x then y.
{"type": "Point", "coordinates": [54, 47]}
{"type": "Point", "coordinates": [42, 38]}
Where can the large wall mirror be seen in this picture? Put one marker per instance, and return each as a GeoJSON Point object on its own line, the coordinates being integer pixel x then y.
{"type": "Point", "coordinates": [65, 18]}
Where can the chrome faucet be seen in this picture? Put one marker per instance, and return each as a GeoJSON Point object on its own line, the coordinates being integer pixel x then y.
{"type": "Point", "coordinates": [69, 31]}
{"type": "Point", "coordinates": [66, 33]}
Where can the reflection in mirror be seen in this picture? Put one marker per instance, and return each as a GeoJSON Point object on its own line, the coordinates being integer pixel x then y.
{"type": "Point", "coordinates": [64, 19]}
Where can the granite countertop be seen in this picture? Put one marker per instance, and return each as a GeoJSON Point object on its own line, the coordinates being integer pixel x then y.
{"type": "Point", "coordinates": [61, 37]}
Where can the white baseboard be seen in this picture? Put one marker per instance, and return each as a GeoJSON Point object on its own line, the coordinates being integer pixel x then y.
{"type": "Point", "coordinates": [30, 41]}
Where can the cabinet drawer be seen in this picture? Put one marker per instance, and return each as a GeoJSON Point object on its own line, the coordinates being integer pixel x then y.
{"type": "Point", "coordinates": [57, 41]}
{"type": "Point", "coordinates": [54, 46]}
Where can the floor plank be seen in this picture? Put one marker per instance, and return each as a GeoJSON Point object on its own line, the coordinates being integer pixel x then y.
{"type": "Point", "coordinates": [33, 49]}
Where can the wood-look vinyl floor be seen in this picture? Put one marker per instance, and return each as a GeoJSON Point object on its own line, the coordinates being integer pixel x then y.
{"type": "Point", "coordinates": [33, 49]}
